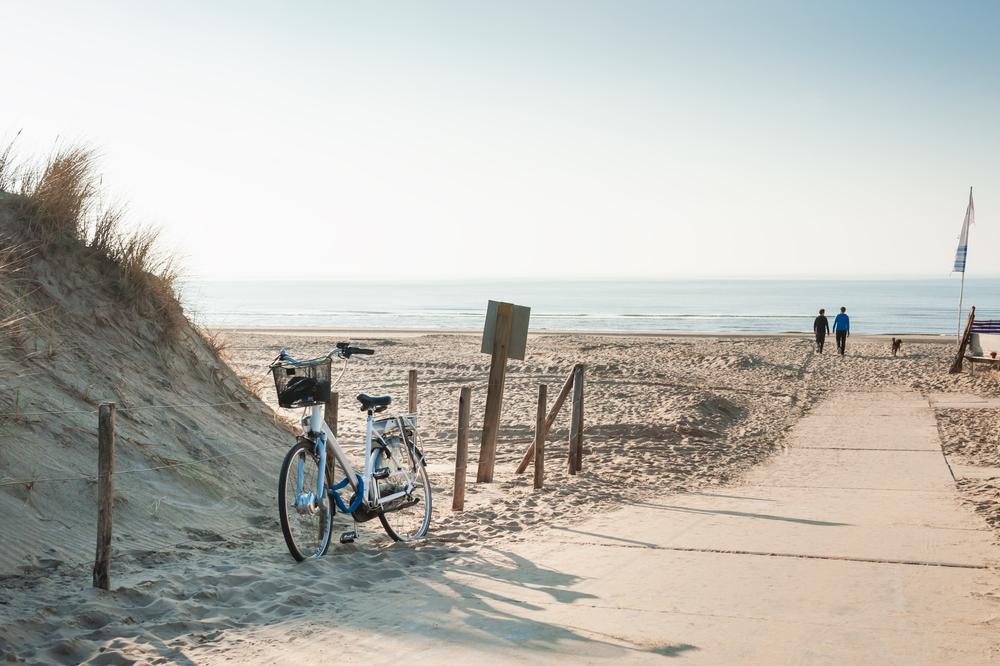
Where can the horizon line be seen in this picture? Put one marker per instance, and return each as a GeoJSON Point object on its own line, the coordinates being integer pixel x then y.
{"type": "Point", "coordinates": [590, 279]}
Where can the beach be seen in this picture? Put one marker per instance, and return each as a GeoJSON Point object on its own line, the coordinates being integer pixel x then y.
{"type": "Point", "coordinates": [665, 416]}
{"type": "Point", "coordinates": [545, 280]}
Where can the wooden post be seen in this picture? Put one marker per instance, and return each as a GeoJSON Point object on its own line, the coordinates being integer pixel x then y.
{"type": "Point", "coordinates": [462, 453]}
{"type": "Point", "coordinates": [540, 433]}
{"type": "Point", "coordinates": [105, 493]}
{"type": "Point", "coordinates": [578, 386]}
{"type": "Point", "coordinates": [576, 421]}
{"type": "Point", "coordinates": [956, 367]}
{"type": "Point", "coordinates": [412, 379]}
{"type": "Point", "coordinates": [330, 414]}
{"type": "Point", "coordinates": [494, 393]}
{"type": "Point", "coordinates": [553, 413]}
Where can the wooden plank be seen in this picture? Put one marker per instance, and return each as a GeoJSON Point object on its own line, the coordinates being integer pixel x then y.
{"type": "Point", "coordinates": [462, 453]}
{"type": "Point", "coordinates": [412, 392]}
{"type": "Point", "coordinates": [553, 413]}
{"type": "Point", "coordinates": [956, 367]}
{"type": "Point", "coordinates": [518, 341]}
{"type": "Point", "coordinates": [494, 394]}
{"type": "Point", "coordinates": [105, 493]}
{"type": "Point", "coordinates": [576, 421]}
{"type": "Point", "coordinates": [540, 437]}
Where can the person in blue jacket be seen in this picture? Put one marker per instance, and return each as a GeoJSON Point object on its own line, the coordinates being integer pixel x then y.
{"type": "Point", "coordinates": [841, 329]}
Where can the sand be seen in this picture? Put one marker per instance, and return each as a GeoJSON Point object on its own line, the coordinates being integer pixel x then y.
{"type": "Point", "coordinates": [663, 413]}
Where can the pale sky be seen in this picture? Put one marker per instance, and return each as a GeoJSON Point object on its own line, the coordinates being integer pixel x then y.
{"type": "Point", "coordinates": [527, 139]}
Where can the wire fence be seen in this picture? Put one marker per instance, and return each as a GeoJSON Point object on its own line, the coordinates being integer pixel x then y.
{"type": "Point", "coordinates": [139, 470]}
{"type": "Point", "coordinates": [137, 408]}
{"type": "Point", "coordinates": [149, 543]}
{"type": "Point", "coordinates": [161, 546]}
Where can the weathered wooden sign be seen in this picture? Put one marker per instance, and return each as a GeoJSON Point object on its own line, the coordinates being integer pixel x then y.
{"type": "Point", "coordinates": [505, 335]}
{"type": "Point", "coordinates": [517, 340]}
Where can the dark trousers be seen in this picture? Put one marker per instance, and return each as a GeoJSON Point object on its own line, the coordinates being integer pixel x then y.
{"type": "Point", "coordinates": [841, 342]}
{"type": "Point", "coordinates": [820, 339]}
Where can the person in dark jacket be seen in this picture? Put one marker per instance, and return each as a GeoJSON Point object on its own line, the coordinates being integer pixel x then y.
{"type": "Point", "coordinates": [841, 329]}
{"type": "Point", "coordinates": [821, 327]}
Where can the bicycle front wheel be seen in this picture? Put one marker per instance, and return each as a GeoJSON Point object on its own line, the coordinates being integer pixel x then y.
{"type": "Point", "coordinates": [405, 518]}
{"type": "Point", "coordinates": [306, 520]}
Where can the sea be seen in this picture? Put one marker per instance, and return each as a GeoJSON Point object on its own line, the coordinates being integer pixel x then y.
{"type": "Point", "coordinates": [912, 305]}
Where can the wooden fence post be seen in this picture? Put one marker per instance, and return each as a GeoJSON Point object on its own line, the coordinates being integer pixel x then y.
{"type": "Point", "coordinates": [330, 414]}
{"type": "Point", "coordinates": [540, 436]}
{"type": "Point", "coordinates": [105, 493]}
{"type": "Point", "coordinates": [462, 453]}
{"type": "Point", "coordinates": [494, 393]}
{"type": "Point", "coordinates": [412, 380]}
{"type": "Point", "coordinates": [576, 423]}
{"type": "Point", "coordinates": [553, 413]}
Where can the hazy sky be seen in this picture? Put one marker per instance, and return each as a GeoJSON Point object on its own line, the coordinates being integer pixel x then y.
{"type": "Point", "coordinates": [524, 139]}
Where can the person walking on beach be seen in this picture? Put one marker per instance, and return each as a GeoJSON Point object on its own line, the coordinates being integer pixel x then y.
{"type": "Point", "coordinates": [821, 327]}
{"type": "Point", "coordinates": [841, 329]}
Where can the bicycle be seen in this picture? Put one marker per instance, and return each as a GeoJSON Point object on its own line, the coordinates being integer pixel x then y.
{"type": "Point", "coordinates": [392, 486]}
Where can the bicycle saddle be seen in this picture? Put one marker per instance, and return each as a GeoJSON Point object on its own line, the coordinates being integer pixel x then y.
{"type": "Point", "coordinates": [377, 403]}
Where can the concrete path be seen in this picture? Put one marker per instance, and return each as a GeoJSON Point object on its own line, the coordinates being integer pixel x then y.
{"type": "Point", "coordinates": [849, 547]}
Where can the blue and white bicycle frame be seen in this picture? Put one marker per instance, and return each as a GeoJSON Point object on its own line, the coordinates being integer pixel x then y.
{"type": "Point", "coordinates": [366, 492]}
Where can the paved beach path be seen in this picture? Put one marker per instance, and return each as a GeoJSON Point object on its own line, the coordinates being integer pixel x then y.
{"type": "Point", "coordinates": [850, 546]}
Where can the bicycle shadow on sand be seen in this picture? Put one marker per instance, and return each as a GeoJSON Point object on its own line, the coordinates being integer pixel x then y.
{"type": "Point", "coordinates": [251, 601]}
{"type": "Point", "coordinates": [483, 600]}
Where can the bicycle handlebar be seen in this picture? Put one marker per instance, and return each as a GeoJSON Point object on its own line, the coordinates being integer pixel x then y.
{"type": "Point", "coordinates": [360, 350]}
{"type": "Point", "coordinates": [344, 350]}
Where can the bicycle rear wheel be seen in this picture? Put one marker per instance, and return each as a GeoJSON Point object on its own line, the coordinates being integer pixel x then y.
{"type": "Point", "coordinates": [306, 520]}
{"type": "Point", "coordinates": [406, 518]}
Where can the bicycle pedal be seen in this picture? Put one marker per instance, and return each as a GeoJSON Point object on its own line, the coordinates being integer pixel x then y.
{"type": "Point", "coordinates": [348, 537]}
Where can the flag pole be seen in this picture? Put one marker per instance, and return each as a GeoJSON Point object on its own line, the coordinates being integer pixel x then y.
{"type": "Point", "coordinates": [961, 295]}
{"type": "Point", "coordinates": [961, 257]}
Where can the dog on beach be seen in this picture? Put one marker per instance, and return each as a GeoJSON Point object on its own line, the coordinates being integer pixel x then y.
{"type": "Point", "coordinates": [896, 345]}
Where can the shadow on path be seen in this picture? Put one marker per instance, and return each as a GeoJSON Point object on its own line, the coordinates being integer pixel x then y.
{"type": "Point", "coordinates": [741, 514]}
{"type": "Point", "coordinates": [645, 544]}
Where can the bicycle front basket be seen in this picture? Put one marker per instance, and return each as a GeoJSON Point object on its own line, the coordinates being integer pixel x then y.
{"type": "Point", "coordinates": [302, 384]}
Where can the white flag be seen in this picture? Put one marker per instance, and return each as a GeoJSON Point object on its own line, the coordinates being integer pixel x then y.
{"type": "Point", "coordinates": [963, 240]}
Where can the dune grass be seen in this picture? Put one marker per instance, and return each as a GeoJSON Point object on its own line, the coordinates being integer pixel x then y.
{"type": "Point", "coordinates": [10, 314]}
{"type": "Point", "coordinates": [59, 207]}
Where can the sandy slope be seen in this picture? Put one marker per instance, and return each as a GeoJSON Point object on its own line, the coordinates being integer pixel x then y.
{"type": "Point", "coordinates": [84, 344]}
{"type": "Point", "coordinates": [662, 413]}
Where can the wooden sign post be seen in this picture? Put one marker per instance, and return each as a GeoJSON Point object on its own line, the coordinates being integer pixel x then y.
{"type": "Point", "coordinates": [504, 336]}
